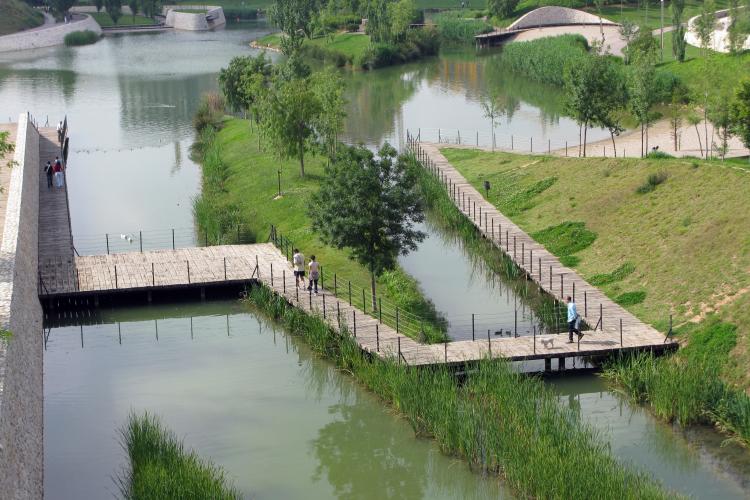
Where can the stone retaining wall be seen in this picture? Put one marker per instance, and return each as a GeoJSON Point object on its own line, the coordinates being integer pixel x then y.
{"type": "Point", "coordinates": [47, 37]}
{"type": "Point", "coordinates": [21, 398]}
{"type": "Point", "coordinates": [194, 22]}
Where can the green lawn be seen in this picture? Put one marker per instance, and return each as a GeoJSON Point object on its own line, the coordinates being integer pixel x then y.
{"type": "Point", "coordinates": [192, 11]}
{"type": "Point", "coordinates": [722, 69]}
{"type": "Point", "coordinates": [252, 185]}
{"type": "Point", "coordinates": [688, 240]}
{"type": "Point", "coordinates": [126, 20]}
{"type": "Point", "coordinates": [17, 16]}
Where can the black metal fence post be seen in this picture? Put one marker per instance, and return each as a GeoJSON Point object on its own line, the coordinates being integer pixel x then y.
{"type": "Point", "coordinates": [225, 268]}
{"type": "Point", "coordinates": [140, 240]}
{"type": "Point", "coordinates": [173, 247]}
{"type": "Point", "coordinates": [472, 326]}
{"type": "Point", "coordinates": [620, 332]}
{"type": "Point", "coordinates": [106, 235]}
{"type": "Point", "coordinates": [397, 330]}
{"type": "Point", "coordinates": [153, 277]}
{"type": "Point", "coordinates": [377, 337]}
{"type": "Point", "coordinates": [350, 293]}
{"type": "Point", "coordinates": [187, 262]}
{"type": "Point", "coordinates": [380, 309]}
{"type": "Point", "coordinates": [116, 285]}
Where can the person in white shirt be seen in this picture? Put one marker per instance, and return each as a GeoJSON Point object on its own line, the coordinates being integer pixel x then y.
{"type": "Point", "coordinates": [314, 266]}
{"type": "Point", "coordinates": [298, 261]}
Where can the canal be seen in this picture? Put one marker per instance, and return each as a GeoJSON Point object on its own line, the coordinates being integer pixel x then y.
{"type": "Point", "coordinates": [281, 421]}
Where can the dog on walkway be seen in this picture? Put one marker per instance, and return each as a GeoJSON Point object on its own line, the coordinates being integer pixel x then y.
{"type": "Point", "coordinates": [548, 342]}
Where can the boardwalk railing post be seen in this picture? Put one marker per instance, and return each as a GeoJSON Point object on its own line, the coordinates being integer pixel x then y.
{"type": "Point", "coordinates": [377, 337]}
{"type": "Point", "coordinates": [283, 280]}
{"type": "Point", "coordinates": [140, 239]}
{"type": "Point", "coordinates": [531, 262]}
{"type": "Point", "coordinates": [574, 291]}
{"type": "Point", "coordinates": [350, 293]}
{"type": "Point", "coordinates": [106, 235]}
{"type": "Point", "coordinates": [601, 317]}
{"type": "Point", "coordinates": [550, 278]}
{"type": "Point", "coordinates": [585, 304]}
{"type": "Point", "coordinates": [153, 276]}
{"type": "Point", "coordinates": [445, 350]}
{"type": "Point", "coordinates": [620, 332]}
{"type": "Point", "coordinates": [172, 239]}
{"type": "Point", "coordinates": [515, 323]}
{"type": "Point", "coordinates": [489, 343]}
{"type": "Point", "coordinates": [335, 285]}
{"type": "Point", "coordinates": [257, 267]}
{"type": "Point", "coordinates": [562, 294]}
{"type": "Point", "coordinates": [188, 270]}
{"type": "Point", "coordinates": [523, 254]}
{"type": "Point", "coordinates": [225, 269]}
{"type": "Point", "coordinates": [116, 276]}
{"type": "Point", "coordinates": [296, 294]}
{"type": "Point", "coordinates": [338, 314]}
{"type": "Point", "coordinates": [534, 339]}
{"type": "Point", "coordinates": [364, 302]}
{"type": "Point", "coordinates": [472, 326]}
{"type": "Point", "coordinates": [324, 306]}
{"type": "Point", "coordinates": [380, 309]}
{"type": "Point", "coordinates": [271, 274]}
{"type": "Point", "coordinates": [397, 330]}
{"type": "Point", "coordinates": [399, 350]}
{"type": "Point", "coordinates": [78, 285]}
{"type": "Point", "coordinates": [309, 292]}
{"type": "Point", "coordinates": [557, 318]}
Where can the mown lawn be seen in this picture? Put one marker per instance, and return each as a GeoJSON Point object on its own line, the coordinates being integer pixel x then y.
{"type": "Point", "coordinates": [687, 241]}
{"type": "Point", "coordinates": [16, 15]}
{"type": "Point", "coordinates": [125, 20]}
{"type": "Point", "coordinates": [252, 184]}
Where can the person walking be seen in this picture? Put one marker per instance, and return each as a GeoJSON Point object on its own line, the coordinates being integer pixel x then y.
{"type": "Point", "coordinates": [573, 320]}
{"type": "Point", "coordinates": [48, 172]}
{"type": "Point", "coordinates": [58, 170]}
{"type": "Point", "coordinates": [314, 266]}
{"type": "Point", "coordinates": [298, 262]}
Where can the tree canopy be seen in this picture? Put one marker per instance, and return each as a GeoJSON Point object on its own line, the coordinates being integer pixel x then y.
{"type": "Point", "coordinates": [369, 205]}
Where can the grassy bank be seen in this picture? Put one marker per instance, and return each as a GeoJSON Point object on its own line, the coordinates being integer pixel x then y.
{"type": "Point", "coordinates": [161, 467]}
{"type": "Point", "coordinates": [240, 185]}
{"type": "Point", "coordinates": [684, 244]}
{"type": "Point", "coordinates": [17, 16]}
{"type": "Point", "coordinates": [501, 422]}
{"type": "Point", "coordinates": [125, 20]}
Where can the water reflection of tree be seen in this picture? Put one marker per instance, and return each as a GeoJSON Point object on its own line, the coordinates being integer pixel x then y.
{"type": "Point", "coordinates": [44, 81]}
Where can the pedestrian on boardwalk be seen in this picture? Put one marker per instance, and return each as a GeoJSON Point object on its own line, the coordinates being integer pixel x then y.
{"type": "Point", "coordinates": [298, 261]}
{"type": "Point", "coordinates": [48, 172]}
{"type": "Point", "coordinates": [59, 131]}
{"type": "Point", "coordinates": [58, 169]}
{"type": "Point", "coordinates": [574, 321]}
{"type": "Point", "coordinates": [314, 274]}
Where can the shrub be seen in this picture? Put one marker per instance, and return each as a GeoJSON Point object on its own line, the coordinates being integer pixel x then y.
{"type": "Point", "coordinates": [630, 298]}
{"type": "Point", "coordinates": [659, 155]}
{"type": "Point", "coordinates": [652, 181]}
{"type": "Point", "coordinates": [617, 275]}
{"type": "Point", "coordinates": [210, 111]}
{"type": "Point", "coordinates": [246, 13]}
{"type": "Point", "coordinates": [454, 27]}
{"type": "Point", "coordinates": [418, 43]}
{"type": "Point", "coordinates": [75, 38]}
{"type": "Point", "coordinates": [566, 238]}
{"type": "Point", "coordinates": [161, 468]}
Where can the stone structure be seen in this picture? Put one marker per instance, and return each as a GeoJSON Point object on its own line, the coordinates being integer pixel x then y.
{"type": "Point", "coordinates": [556, 16]}
{"type": "Point", "coordinates": [49, 36]}
{"type": "Point", "coordinates": [205, 18]}
{"type": "Point", "coordinates": [21, 396]}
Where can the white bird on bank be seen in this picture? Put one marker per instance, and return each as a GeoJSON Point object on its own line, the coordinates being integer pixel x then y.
{"type": "Point", "coordinates": [127, 237]}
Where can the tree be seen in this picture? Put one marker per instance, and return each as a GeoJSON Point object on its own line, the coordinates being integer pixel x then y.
{"type": "Point", "coordinates": [369, 206]}
{"type": "Point", "coordinates": [719, 114]}
{"type": "Point", "coordinates": [493, 109]}
{"type": "Point", "coordinates": [694, 119]}
{"type": "Point", "coordinates": [149, 7]}
{"type": "Point", "coordinates": [294, 19]}
{"type": "Point", "coordinates": [400, 16]}
{"type": "Point", "coordinates": [289, 114]}
{"type": "Point", "coordinates": [98, 4]}
{"type": "Point", "coordinates": [641, 89]}
{"type": "Point", "coordinates": [735, 30]}
{"type": "Point", "coordinates": [628, 31]}
{"type": "Point", "coordinates": [705, 24]}
{"type": "Point", "coordinates": [740, 113]}
{"type": "Point", "coordinates": [378, 21]}
{"type": "Point", "coordinates": [237, 80]}
{"type": "Point", "coordinates": [114, 9]}
{"type": "Point", "coordinates": [61, 7]}
{"type": "Point", "coordinates": [678, 30]}
{"type": "Point", "coordinates": [134, 5]}
{"type": "Point", "coordinates": [329, 90]}
{"type": "Point", "coordinates": [502, 8]}
{"type": "Point", "coordinates": [610, 97]}
{"type": "Point", "coordinates": [5, 145]}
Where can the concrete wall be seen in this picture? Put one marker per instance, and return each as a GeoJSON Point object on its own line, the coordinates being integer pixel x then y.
{"type": "Point", "coordinates": [21, 400]}
{"type": "Point", "coordinates": [194, 22]}
{"type": "Point", "coordinates": [47, 37]}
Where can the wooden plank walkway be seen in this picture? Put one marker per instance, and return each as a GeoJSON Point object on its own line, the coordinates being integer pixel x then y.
{"type": "Point", "coordinates": [55, 234]}
{"type": "Point", "coordinates": [194, 267]}
{"type": "Point", "coordinates": [540, 265]}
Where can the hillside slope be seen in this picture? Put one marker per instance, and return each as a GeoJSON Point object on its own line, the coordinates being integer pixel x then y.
{"type": "Point", "coordinates": [685, 244]}
{"type": "Point", "coordinates": [17, 16]}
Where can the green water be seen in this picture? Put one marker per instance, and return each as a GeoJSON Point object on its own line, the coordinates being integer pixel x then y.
{"type": "Point", "coordinates": [283, 423]}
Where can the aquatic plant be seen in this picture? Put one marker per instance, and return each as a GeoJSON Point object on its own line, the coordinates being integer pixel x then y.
{"type": "Point", "coordinates": [500, 421]}
{"type": "Point", "coordinates": [85, 37]}
{"type": "Point", "coordinates": [161, 468]}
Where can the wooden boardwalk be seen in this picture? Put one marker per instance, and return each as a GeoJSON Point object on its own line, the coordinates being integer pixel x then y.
{"type": "Point", "coordinates": [56, 254]}
{"type": "Point", "coordinates": [540, 265]}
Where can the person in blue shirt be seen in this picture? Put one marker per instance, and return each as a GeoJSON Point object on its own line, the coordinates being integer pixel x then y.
{"type": "Point", "coordinates": [573, 320]}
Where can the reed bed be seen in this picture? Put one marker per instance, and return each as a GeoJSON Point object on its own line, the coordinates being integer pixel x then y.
{"type": "Point", "coordinates": [501, 422]}
{"type": "Point", "coordinates": [161, 468]}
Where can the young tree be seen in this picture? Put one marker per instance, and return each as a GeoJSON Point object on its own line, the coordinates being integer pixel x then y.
{"type": "Point", "coordinates": [329, 90]}
{"type": "Point", "coordinates": [400, 16]}
{"type": "Point", "coordinates": [719, 115]}
{"type": "Point", "coordinates": [641, 90]}
{"type": "Point", "coordinates": [369, 206]}
{"type": "Point", "coordinates": [61, 7]}
{"type": "Point", "coordinates": [134, 5]}
{"type": "Point", "coordinates": [694, 119]}
{"type": "Point", "coordinates": [678, 30]}
{"type": "Point", "coordinates": [579, 97]}
{"type": "Point", "coordinates": [98, 4]}
{"type": "Point", "coordinates": [378, 21]}
{"type": "Point", "coordinates": [236, 80]}
{"type": "Point", "coordinates": [294, 19]}
{"type": "Point", "coordinates": [289, 114]}
{"type": "Point", "coordinates": [628, 31]}
{"type": "Point", "coordinates": [610, 97]}
{"type": "Point", "coordinates": [740, 113]}
{"type": "Point", "coordinates": [704, 25]}
{"type": "Point", "coordinates": [735, 30]}
{"type": "Point", "coordinates": [114, 9]}
{"type": "Point", "coordinates": [502, 8]}
{"type": "Point", "coordinates": [493, 109]}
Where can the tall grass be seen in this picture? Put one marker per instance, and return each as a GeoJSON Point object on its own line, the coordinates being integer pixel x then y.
{"type": "Point", "coordinates": [545, 59]}
{"type": "Point", "coordinates": [456, 28]}
{"type": "Point", "coordinates": [161, 468]}
{"type": "Point", "coordinates": [686, 388]}
{"type": "Point", "coordinates": [499, 421]}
